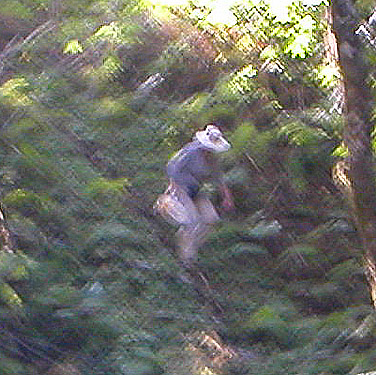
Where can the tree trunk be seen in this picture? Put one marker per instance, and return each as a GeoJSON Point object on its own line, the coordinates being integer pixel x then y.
{"type": "Point", "coordinates": [357, 133]}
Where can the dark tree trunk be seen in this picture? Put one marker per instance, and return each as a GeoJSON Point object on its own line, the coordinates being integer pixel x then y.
{"type": "Point", "coordinates": [357, 133]}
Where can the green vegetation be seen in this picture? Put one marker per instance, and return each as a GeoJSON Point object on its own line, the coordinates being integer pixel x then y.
{"type": "Point", "coordinates": [95, 96]}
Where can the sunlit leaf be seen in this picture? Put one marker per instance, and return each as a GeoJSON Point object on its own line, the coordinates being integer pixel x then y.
{"type": "Point", "coordinates": [111, 64]}
{"type": "Point", "coordinates": [300, 46]}
{"type": "Point", "coordinates": [328, 75]}
{"type": "Point", "coordinates": [307, 23]}
{"type": "Point", "coordinates": [222, 13]}
{"type": "Point", "coordinates": [241, 81]}
{"type": "Point", "coordinates": [111, 32]}
{"type": "Point", "coordinates": [280, 9]}
{"type": "Point", "coordinates": [341, 151]}
{"type": "Point", "coordinates": [15, 91]}
{"type": "Point", "coordinates": [73, 47]}
{"type": "Point", "coordinates": [269, 52]}
{"type": "Point", "coordinates": [9, 295]}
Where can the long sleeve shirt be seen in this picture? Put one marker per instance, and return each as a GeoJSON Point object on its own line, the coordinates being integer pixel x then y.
{"type": "Point", "coordinates": [193, 165]}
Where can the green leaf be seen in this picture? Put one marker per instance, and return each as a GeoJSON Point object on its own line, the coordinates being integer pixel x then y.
{"type": "Point", "coordinates": [15, 91]}
{"type": "Point", "coordinates": [14, 8]}
{"type": "Point", "coordinates": [266, 229]}
{"type": "Point", "coordinates": [73, 47]}
{"type": "Point", "coordinates": [301, 134]}
{"type": "Point", "coordinates": [341, 151]}
{"type": "Point", "coordinates": [9, 295]}
{"type": "Point", "coordinates": [106, 186]}
{"type": "Point", "coordinates": [299, 46]}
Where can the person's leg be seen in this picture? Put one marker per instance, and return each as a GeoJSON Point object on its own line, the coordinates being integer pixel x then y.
{"type": "Point", "coordinates": [176, 207]}
{"type": "Point", "coordinates": [208, 213]}
{"type": "Point", "coordinates": [186, 235]}
{"type": "Point", "coordinates": [191, 237]}
{"type": "Point", "coordinates": [208, 217]}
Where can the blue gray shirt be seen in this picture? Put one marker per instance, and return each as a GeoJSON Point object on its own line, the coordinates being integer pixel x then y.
{"type": "Point", "coordinates": [191, 166]}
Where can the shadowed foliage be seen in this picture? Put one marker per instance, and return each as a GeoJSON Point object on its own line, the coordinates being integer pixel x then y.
{"type": "Point", "coordinates": [95, 97]}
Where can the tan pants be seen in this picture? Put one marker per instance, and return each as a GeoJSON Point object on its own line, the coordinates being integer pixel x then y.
{"type": "Point", "coordinates": [195, 217]}
{"type": "Point", "coordinates": [191, 236]}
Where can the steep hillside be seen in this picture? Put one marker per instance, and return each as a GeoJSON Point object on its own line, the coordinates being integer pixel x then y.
{"type": "Point", "coordinates": [94, 100]}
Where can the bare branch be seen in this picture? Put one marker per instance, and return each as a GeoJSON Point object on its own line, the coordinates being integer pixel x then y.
{"type": "Point", "coordinates": [17, 43]}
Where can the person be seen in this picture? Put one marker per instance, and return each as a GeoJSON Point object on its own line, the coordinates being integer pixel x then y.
{"type": "Point", "coordinates": [183, 203]}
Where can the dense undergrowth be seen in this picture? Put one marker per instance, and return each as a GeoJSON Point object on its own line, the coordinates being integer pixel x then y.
{"type": "Point", "coordinates": [90, 113]}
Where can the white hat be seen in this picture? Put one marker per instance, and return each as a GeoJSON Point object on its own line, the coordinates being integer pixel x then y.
{"type": "Point", "coordinates": [213, 139]}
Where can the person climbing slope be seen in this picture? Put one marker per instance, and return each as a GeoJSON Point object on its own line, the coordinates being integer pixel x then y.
{"type": "Point", "coordinates": [183, 203]}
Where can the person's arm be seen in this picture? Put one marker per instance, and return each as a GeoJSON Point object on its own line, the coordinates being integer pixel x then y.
{"type": "Point", "coordinates": [227, 199]}
{"type": "Point", "coordinates": [227, 203]}
{"type": "Point", "coordinates": [178, 169]}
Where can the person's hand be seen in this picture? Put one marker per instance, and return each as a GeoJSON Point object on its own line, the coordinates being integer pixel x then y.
{"type": "Point", "coordinates": [228, 204]}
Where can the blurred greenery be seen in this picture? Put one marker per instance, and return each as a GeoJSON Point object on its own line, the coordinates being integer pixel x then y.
{"type": "Point", "coordinates": [95, 97]}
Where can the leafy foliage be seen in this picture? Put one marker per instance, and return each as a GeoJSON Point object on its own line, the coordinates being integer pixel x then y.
{"type": "Point", "coordinates": [95, 97]}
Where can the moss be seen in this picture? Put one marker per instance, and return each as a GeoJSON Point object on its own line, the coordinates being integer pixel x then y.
{"type": "Point", "coordinates": [303, 261]}
{"type": "Point", "coordinates": [27, 202]}
{"type": "Point", "coordinates": [268, 325]}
